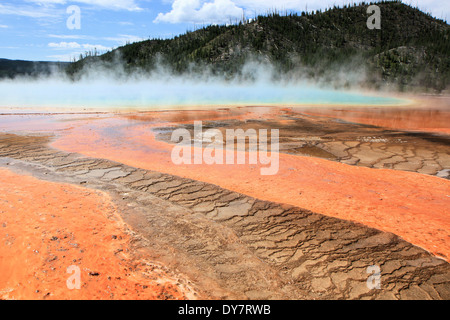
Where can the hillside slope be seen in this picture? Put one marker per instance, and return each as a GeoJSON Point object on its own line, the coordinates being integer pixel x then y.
{"type": "Point", "coordinates": [410, 51]}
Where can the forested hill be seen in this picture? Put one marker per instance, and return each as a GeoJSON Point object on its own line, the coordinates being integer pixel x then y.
{"type": "Point", "coordinates": [14, 68]}
{"type": "Point", "coordinates": [410, 51]}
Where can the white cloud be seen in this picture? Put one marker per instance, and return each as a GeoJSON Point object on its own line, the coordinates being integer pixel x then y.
{"type": "Point", "coordinates": [97, 47]}
{"type": "Point", "coordinates": [129, 5]}
{"type": "Point", "coordinates": [300, 5]}
{"type": "Point", "coordinates": [260, 6]}
{"type": "Point", "coordinates": [27, 11]}
{"type": "Point", "coordinates": [64, 45]}
{"type": "Point", "coordinates": [122, 39]}
{"type": "Point", "coordinates": [47, 2]}
{"type": "Point", "coordinates": [75, 45]}
{"type": "Point", "coordinates": [220, 11]}
{"type": "Point", "coordinates": [200, 11]}
{"type": "Point", "coordinates": [3, 26]}
{"type": "Point", "coordinates": [74, 50]}
{"type": "Point", "coordinates": [70, 36]}
{"type": "Point", "coordinates": [68, 57]}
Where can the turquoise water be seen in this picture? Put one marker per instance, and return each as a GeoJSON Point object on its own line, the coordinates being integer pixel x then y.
{"type": "Point", "coordinates": [149, 95]}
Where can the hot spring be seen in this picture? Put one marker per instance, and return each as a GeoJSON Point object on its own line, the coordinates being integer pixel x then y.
{"type": "Point", "coordinates": [56, 95]}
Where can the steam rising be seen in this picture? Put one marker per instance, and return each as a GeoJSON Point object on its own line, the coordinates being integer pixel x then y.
{"type": "Point", "coordinates": [104, 88]}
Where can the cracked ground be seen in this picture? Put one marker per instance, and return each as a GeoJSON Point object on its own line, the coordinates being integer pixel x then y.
{"type": "Point", "coordinates": [228, 245]}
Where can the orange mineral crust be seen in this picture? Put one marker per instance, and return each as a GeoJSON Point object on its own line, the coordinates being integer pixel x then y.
{"type": "Point", "coordinates": [49, 230]}
{"type": "Point", "coordinates": [411, 205]}
{"type": "Point", "coordinates": [424, 114]}
{"type": "Point", "coordinates": [434, 121]}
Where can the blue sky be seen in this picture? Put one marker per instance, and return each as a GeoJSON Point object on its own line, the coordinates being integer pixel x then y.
{"type": "Point", "coordinates": [39, 30]}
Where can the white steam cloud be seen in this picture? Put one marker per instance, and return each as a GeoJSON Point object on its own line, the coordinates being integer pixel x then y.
{"type": "Point", "coordinates": [102, 88]}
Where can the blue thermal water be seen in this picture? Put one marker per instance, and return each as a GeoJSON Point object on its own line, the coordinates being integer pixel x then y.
{"type": "Point", "coordinates": [156, 94]}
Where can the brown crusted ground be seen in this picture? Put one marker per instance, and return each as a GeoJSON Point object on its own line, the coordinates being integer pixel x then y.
{"type": "Point", "coordinates": [412, 205]}
{"type": "Point", "coordinates": [235, 246]}
{"type": "Point", "coordinates": [319, 134]}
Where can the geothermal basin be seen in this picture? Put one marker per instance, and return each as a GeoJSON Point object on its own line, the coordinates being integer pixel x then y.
{"type": "Point", "coordinates": [363, 181]}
